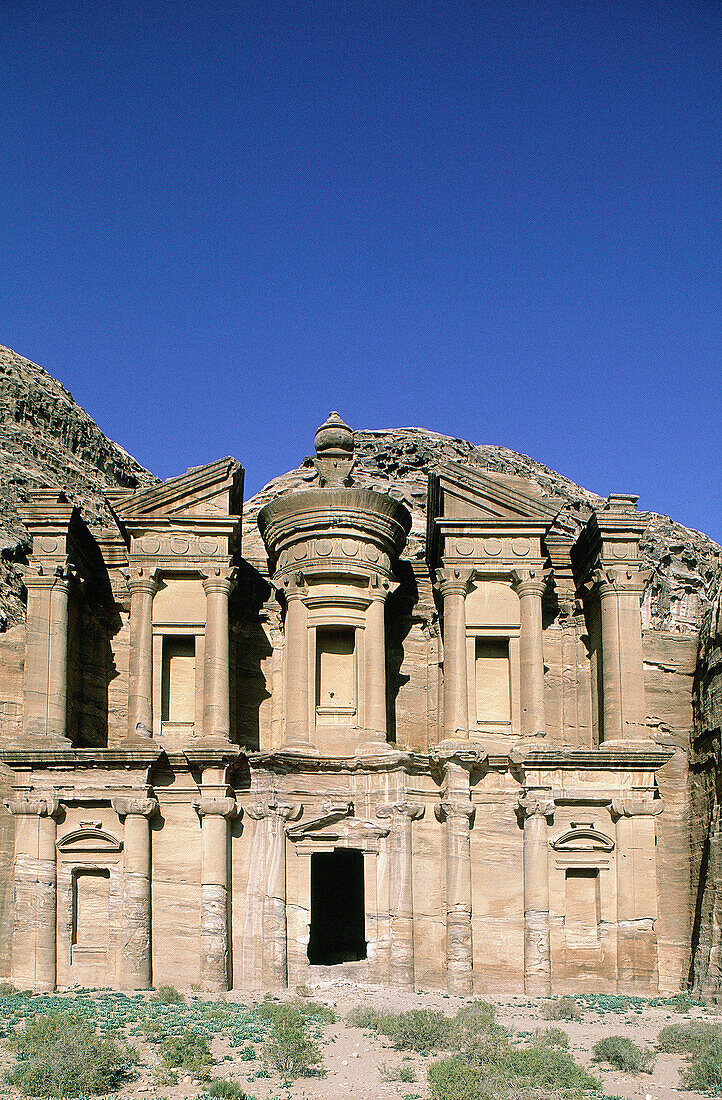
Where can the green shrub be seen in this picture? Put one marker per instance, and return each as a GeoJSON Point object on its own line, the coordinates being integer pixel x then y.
{"type": "Point", "coordinates": [60, 1055]}
{"type": "Point", "coordinates": [168, 995]}
{"type": "Point", "coordinates": [622, 1053]}
{"type": "Point", "coordinates": [561, 1008]}
{"type": "Point", "coordinates": [688, 1037]}
{"type": "Point", "coordinates": [486, 1045]}
{"type": "Point", "coordinates": [704, 1073]}
{"type": "Point", "coordinates": [291, 1052]}
{"type": "Point", "coordinates": [365, 1017]}
{"type": "Point", "coordinates": [7, 989]}
{"type": "Point", "coordinates": [247, 1053]}
{"type": "Point", "coordinates": [279, 1012]}
{"type": "Point", "coordinates": [545, 1066]}
{"type": "Point", "coordinates": [454, 1078]}
{"type": "Point", "coordinates": [188, 1050]}
{"type": "Point", "coordinates": [321, 1012]}
{"type": "Point", "coordinates": [404, 1073]}
{"type": "Point", "coordinates": [421, 1029]}
{"type": "Point", "coordinates": [225, 1090]}
{"type": "Point", "coordinates": [550, 1037]}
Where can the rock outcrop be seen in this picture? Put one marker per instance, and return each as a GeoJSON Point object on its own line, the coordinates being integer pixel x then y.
{"type": "Point", "coordinates": [46, 439]}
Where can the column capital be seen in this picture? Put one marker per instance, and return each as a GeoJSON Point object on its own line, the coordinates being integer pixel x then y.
{"type": "Point", "coordinates": [217, 807]}
{"type": "Point", "coordinates": [636, 807]}
{"type": "Point", "coordinates": [531, 805]}
{"type": "Point", "coordinates": [140, 578]}
{"type": "Point", "coordinates": [615, 580]}
{"type": "Point", "coordinates": [125, 805]}
{"type": "Point", "coordinates": [50, 573]}
{"type": "Point", "coordinates": [456, 810]}
{"type": "Point", "coordinates": [33, 807]}
{"type": "Point", "coordinates": [413, 810]}
{"type": "Point", "coordinates": [453, 582]}
{"type": "Point", "coordinates": [219, 578]}
{"type": "Point", "coordinates": [466, 754]}
{"type": "Point", "coordinates": [529, 582]}
{"type": "Point", "coordinates": [285, 811]}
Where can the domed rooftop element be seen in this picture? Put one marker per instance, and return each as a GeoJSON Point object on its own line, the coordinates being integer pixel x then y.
{"type": "Point", "coordinates": [334, 451]}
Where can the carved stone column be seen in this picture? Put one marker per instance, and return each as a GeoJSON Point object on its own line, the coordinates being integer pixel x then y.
{"type": "Point", "coordinates": [275, 935]}
{"type": "Point", "coordinates": [35, 913]}
{"type": "Point", "coordinates": [453, 585]}
{"type": "Point", "coordinates": [214, 814]}
{"type": "Point", "coordinates": [458, 759]}
{"type": "Point", "coordinates": [530, 585]}
{"type": "Point", "coordinates": [135, 954]}
{"type": "Point", "coordinates": [535, 812]}
{"type": "Point", "coordinates": [218, 585]}
{"type": "Point", "coordinates": [46, 652]}
{"type": "Point", "coordinates": [624, 706]}
{"type": "Point", "coordinates": [637, 971]}
{"type": "Point", "coordinates": [375, 668]}
{"type": "Point", "coordinates": [401, 900]}
{"type": "Point", "coordinates": [297, 671]}
{"type": "Point", "coordinates": [143, 585]}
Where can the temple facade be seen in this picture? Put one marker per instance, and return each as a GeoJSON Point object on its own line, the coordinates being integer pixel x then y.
{"type": "Point", "coordinates": [331, 758]}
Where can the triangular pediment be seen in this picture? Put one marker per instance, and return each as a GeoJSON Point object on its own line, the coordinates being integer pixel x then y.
{"type": "Point", "coordinates": [203, 492]}
{"type": "Point", "coordinates": [459, 492]}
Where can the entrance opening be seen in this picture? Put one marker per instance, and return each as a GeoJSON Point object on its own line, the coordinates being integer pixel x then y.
{"type": "Point", "coordinates": [337, 907]}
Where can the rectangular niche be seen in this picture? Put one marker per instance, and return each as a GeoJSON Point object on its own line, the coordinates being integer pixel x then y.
{"type": "Point", "coordinates": [493, 687]}
{"type": "Point", "coordinates": [335, 671]}
{"type": "Point", "coordinates": [582, 910]}
{"type": "Point", "coordinates": [90, 909]}
{"type": "Point", "coordinates": [178, 680]}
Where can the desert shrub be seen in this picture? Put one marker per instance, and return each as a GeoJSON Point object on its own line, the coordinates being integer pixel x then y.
{"type": "Point", "coordinates": [168, 995]}
{"type": "Point", "coordinates": [688, 1037]}
{"type": "Point", "coordinates": [60, 1055]}
{"type": "Point", "coordinates": [704, 1073]}
{"type": "Point", "coordinates": [454, 1078]}
{"type": "Point", "coordinates": [247, 1053]}
{"type": "Point", "coordinates": [421, 1030]}
{"type": "Point", "coordinates": [7, 989]}
{"type": "Point", "coordinates": [550, 1037]}
{"type": "Point", "coordinates": [279, 1012]}
{"type": "Point", "coordinates": [622, 1053]}
{"type": "Point", "coordinates": [365, 1017]}
{"type": "Point", "coordinates": [320, 1011]}
{"type": "Point", "coordinates": [187, 1050]}
{"type": "Point", "coordinates": [486, 1045]}
{"type": "Point", "coordinates": [404, 1073]}
{"type": "Point", "coordinates": [225, 1090]}
{"type": "Point", "coordinates": [477, 1011]}
{"type": "Point", "coordinates": [561, 1008]}
{"type": "Point", "coordinates": [291, 1052]}
{"type": "Point", "coordinates": [545, 1066]}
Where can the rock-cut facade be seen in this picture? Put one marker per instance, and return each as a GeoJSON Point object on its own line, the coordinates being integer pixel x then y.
{"type": "Point", "coordinates": [416, 742]}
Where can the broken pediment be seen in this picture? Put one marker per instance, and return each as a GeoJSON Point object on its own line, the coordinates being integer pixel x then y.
{"type": "Point", "coordinates": [460, 493]}
{"type": "Point", "coordinates": [339, 826]}
{"type": "Point", "coordinates": [202, 493]}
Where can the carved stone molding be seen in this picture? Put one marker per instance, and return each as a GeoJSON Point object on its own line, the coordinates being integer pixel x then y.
{"type": "Point", "coordinates": [217, 807]}
{"type": "Point", "coordinates": [36, 807]}
{"type": "Point", "coordinates": [448, 811]}
{"type": "Point", "coordinates": [453, 582]}
{"type": "Point", "coordinates": [529, 582]}
{"type": "Point", "coordinates": [132, 804]}
{"type": "Point", "coordinates": [412, 810]}
{"type": "Point", "coordinates": [636, 807]}
{"type": "Point", "coordinates": [219, 578]}
{"type": "Point", "coordinates": [530, 805]}
{"type": "Point", "coordinates": [286, 811]}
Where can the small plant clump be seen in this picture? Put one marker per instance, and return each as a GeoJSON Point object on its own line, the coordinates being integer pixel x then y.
{"type": "Point", "coordinates": [704, 1073]}
{"type": "Point", "coordinates": [561, 1008]}
{"type": "Point", "coordinates": [688, 1037]}
{"type": "Point", "coordinates": [225, 1090]}
{"type": "Point", "coordinates": [168, 995]}
{"type": "Point", "coordinates": [551, 1037]}
{"type": "Point", "coordinates": [291, 1052]}
{"type": "Point", "coordinates": [60, 1055]}
{"type": "Point", "coordinates": [622, 1053]}
{"type": "Point", "coordinates": [187, 1050]}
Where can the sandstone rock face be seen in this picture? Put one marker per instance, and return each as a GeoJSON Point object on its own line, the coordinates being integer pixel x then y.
{"type": "Point", "coordinates": [46, 439]}
{"type": "Point", "coordinates": [473, 838]}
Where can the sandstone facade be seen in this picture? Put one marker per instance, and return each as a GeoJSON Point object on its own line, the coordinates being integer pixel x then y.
{"type": "Point", "coordinates": [420, 715]}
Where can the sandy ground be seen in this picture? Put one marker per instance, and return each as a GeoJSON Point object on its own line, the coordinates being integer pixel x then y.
{"type": "Point", "coordinates": [356, 1062]}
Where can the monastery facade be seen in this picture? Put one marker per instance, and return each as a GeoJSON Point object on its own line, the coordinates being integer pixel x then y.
{"type": "Point", "coordinates": [433, 773]}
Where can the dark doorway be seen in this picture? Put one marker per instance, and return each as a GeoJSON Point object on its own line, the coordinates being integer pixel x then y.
{"type": "Point", "coordinates": [337, 907]}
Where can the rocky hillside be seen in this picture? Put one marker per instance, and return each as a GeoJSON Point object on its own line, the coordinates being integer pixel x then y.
{"type": "Point", "coordinates": [47, 439]}
{"type": "Point", "coordinates": [681, 562]}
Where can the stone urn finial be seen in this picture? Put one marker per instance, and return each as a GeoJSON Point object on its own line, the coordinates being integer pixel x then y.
{"type": "Point", "coordinates": [334, 451]}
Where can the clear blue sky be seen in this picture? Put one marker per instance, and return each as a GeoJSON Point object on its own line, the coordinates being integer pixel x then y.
{"type": "Point", "coordinates": [497, 220]}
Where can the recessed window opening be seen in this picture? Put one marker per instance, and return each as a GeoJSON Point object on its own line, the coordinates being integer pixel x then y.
{"type": "Point", "coordinates": [581, 919]}
{"type": "Point", "coordinates": [338, 920]}
{"type": "Point", "coordinates": [178, 683]}
{"type": "Point", "coordinates": [90, 908]}
{"type": "Point", "coordinates": [335, 668]}
{"type": "Point", "coordinates": [493, 695]}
